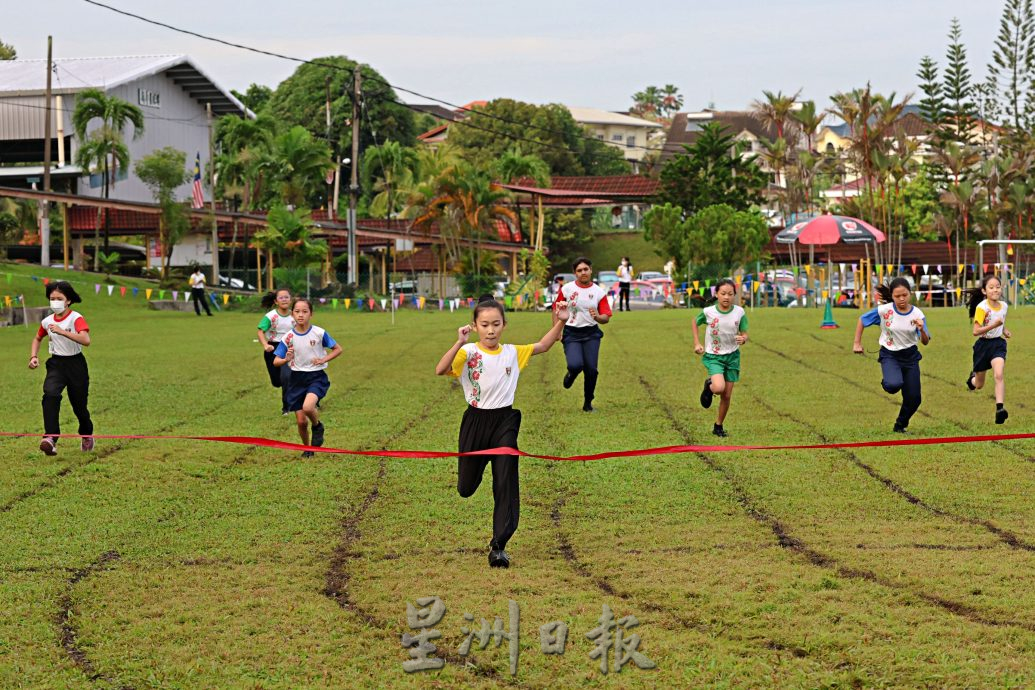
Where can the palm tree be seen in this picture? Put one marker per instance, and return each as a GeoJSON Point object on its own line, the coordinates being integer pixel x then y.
{"type": "Point", "coordinates": [245, 158]}
{"type": "Point", "coordinates": [671, 100]}
{"type": "Point", "coordinates": [808, 121]}
{"type": "Point", "coordinates": [106, 143]}
{"type": "Point", "coordinates": [775, 111]}
{"type": "Point", "coordinates": [391, 167]}
{"type": "Point", "coordinates": [300, 164]}
{"type": "Point", "coordinates": [512, 166]}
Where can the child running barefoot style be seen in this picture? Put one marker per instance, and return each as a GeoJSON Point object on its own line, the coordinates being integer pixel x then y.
{"type": "Point", "coordinates": [726, 326]}
{"type": "Point", "coordinates": [988, 316]}
{"type": "Point", "coordinates": [273, 328]}
{"type": "Point", "coordinates": [66, 367]}
{"type": "Point", "coordinates": [489, 372]}
{"type": "Point", "coordinates": [306, 349]}
{"type": "Point", "coordinates": [902, 327]}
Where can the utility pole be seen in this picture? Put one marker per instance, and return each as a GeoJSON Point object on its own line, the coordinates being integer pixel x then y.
{"type": "Point", "coordinates": [353, 273]}
{"type": "Point", "coordinates": [43, 205]}
{"type": "Point", "coordinates": [212, 183]}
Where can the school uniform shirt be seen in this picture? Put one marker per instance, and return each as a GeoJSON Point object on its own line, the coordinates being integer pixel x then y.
{"type": "Point", "coordinates": [311, 345]}
{"type": "Point", "coordinates": [72, 322]}
{"type": "Point", "coordinates": [490, 377]}
{"type": "Point", "coordinates": [986, 314]}
{"type": "Point", "coordinates": [580, 300]}
{"type": "Point", "coordinates": [723, 326]}
{"type": "Point", "coordinates": [624, 274]}
{"type": "Point", "coordinates": [197, 281]}
{"type": "Point", "coordinates": [897, 331]}
{"type": "Point", "coordinates": [276, 326]}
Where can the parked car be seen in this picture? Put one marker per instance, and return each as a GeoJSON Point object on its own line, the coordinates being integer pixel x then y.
{"type": "Point", "coordinates": [651, 275]}
{"type": "Point", "coordinates": [552, 287]}
{"type": "Point", "coordinates": [607, 279]}
{"type": "Point", "coordinates": [404, 287]}
{"type": "Point", "coordinates": [234, 283]}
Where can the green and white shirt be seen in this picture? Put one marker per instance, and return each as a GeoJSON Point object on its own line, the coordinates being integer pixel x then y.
{"type": "Point", "coordinates": [720, 338]}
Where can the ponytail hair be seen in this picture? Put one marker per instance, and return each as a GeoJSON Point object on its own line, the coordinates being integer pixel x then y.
{"type": "Point", "coordinates": [884, 290]}
{"type": "Point", "coordinates": [270, 298]}
{"type": "Point", "coordinates": [487, 302]}
{"type": "Point", "coordinates": [975, 295]}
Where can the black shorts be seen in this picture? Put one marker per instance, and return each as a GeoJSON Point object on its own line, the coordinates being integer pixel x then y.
{"type": "Point", "coordinates": [305, 382]}
{"type": "Point", "coordinates": [987, 349]}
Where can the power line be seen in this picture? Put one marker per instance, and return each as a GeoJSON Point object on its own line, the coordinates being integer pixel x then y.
{"type": "Point", "coordinates": [318, 63]}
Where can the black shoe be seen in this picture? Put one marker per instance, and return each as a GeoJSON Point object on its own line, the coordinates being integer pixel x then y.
{"type": "Point", "coordinates": [587, 407]}
{"type": "Point", "coordinates": [498, 558]}
{"type": "Point", "coordinates": [970, 381]}
{"type": "Point", "coordinates": [318, 435]}
{"type": "Point", "coordinates": [284, 411]}
{"type": "Point", "coordinates": [308, 454]}
{"type": "Point", "coordinates": [899, 428]}
{"type": "Point", "coordinates": [719, 431]}
{"type": "Point", "coordinates": [1000, 415]}
{"type": "Point", "coordinates": [569, 378]}
{"type": "Point", "coordinates": [706, 394]}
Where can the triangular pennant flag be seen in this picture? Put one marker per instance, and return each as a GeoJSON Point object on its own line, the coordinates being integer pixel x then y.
{"type": "Point", "coordinates": [323, 300]}
{"type": "Point", "coordinates": [452, 306]}
{"type": "Point", "coordinates": [423, 301]}
{"type": "Point", "coordinates": [186, 297]}
{"type": "Point", "coordinates": [384, 304]}
{"type": "Point", "coordinates": [808, 269]}
{"type": "Point", "coordinates": [855, 267]}
{"type": "Point", "coordinates": [371, 304]}
{"type": "Point", "coordinates": [939, 268]}
{"type": "Point", "coordinates": [226, 298]}
{"type": "Point", "coordinates": [996, 266]}
{"type": "Point", "coordinates": [440, 305]}
{"type": "Point", "coordinates": [918, 294]}
{"type": "Point", "coordinates": [842, 267]}
{"type": "Point", "coordinates": [912, 269]}
{"type": "Point", "coordinates": [46, 281]}
{"type": "Point", "coordinates": [96, 287]}
{"type": "Point", "coordinates": [161, 294]}
{"type": "Point", "coordinates": [122, 291]}
{"type": "Point", "coordinates": [697, 285]}
{"type": "Point", "coordinates": [825, 293]}
{"type": "Point", "coordinates": [757, 285]}
{"type": "Point", "coordinates": [960, 268]}
{"type": "Point", "coordinates": [334, 303]}
{"type": "Point", "coordinates": [176, 295]}
{"type": "Point", "coordinates": [111, 288]}
{"type": "Point", "coordinates": [147, 293]}
{"type": "Point", "coordinates": [348, 303]}
{"type": "Point", "coordinates": [926, 267]}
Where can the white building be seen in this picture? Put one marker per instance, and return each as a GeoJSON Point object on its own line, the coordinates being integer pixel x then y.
{"type": "Point", "coordinates": [635, 136]}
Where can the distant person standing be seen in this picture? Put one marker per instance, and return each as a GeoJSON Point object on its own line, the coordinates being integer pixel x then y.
{"type": "Point", "coordinates": [197, 291]}
{"type": "Point", "coordinates": [625, 276]}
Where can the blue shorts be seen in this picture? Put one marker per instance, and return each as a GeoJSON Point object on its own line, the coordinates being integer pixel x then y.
{"type": "Point", "coordinates": [987, 349]}
{"type": "Point", "coordinates": [305, 382]}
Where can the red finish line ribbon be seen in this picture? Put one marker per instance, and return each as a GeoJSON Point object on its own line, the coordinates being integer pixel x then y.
{"type": "Point", "coordinates": [661, 450]}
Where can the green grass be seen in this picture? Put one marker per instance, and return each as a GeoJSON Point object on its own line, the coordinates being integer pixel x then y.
{"type": "Point", "coordinates": [184, 564]}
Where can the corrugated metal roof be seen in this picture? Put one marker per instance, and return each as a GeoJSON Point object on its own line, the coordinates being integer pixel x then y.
{"type": "Point", "coordinates": [29, 77]}
{"type": "Point", "coordinates": [605, 117]}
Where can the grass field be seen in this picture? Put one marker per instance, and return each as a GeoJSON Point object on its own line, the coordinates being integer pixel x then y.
{"type": "Point", "coordinates": [197, 565]}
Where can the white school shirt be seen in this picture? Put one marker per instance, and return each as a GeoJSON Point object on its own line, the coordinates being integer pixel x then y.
{"type": "Point", "coordinates": [490, 377]}
{"type": "Point", "coordinates": [73, 322]}
{"type": "Point", "coordinates": [580, 300]}
{"type": "Point", "coordinates": [985, 314]}
{"type": "Point", "coordinates": [312, 344]}
{"type": "Point", "coordinates": [897, 331]}
{"type": "Point", "coordinates": [624, 274]}
{"type": "Point", "coordinates": [197, 280]}
{"type": "Point", "coordinates": [276, 325]}
{"type": "Point", "coordinates": [720, 337]}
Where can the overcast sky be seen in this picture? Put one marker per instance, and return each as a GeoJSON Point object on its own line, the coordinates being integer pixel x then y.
{"type": "Point", "coordinates": [593, 53]}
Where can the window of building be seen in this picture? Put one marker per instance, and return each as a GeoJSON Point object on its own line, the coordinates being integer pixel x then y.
{"type": "Point", "coordinates": [630, 141]}
{"type": "Point", "coordinates": [616, 137]}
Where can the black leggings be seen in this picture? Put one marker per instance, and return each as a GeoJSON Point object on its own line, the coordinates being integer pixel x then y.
{"type": "Point", "coordinates": [198, 295]}
{"type": "Point", "coordinates": [900, 371]}
{"type": "Point", "coordinates": [582, 351]}
{"type": "Point", "coordinates": [481, 430]}
{"type": "Point", "coordinates": [623, 295]}
{"type": "Point", "coordinates": [280, 377]}
{"type": "Point", "coordinates": [66, 372]}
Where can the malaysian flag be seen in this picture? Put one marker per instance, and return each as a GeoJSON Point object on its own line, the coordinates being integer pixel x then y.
{"type": "Point", "coordinates": [198, 200]}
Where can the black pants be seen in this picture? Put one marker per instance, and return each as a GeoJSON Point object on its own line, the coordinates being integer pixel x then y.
{"type": "Point", "coordinates": [66, 372]}
{"type": "Point", "coordinates": [900, 371]}
{"type": "Point", "coordinates": [623, 295]}
{"type": "Point", "coordinates": [280, 377]}
{"type": "Point", "coordinates": [198, 295]}
{"type": "Point", "coordinates": [481, 430]}
{"type": "Point", "coordinates": [582, 351]}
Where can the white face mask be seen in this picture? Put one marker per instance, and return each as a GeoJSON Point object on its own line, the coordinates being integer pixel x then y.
{"type": "Point", "coordinates": [57, 305]}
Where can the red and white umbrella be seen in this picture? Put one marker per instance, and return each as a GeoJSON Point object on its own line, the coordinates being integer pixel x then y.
{"type": "Point", "coordinates": [830, 230]}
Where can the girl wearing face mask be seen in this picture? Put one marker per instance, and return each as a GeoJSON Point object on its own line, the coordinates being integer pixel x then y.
{"type": "Point", "coordinates": [66, 368]}
{"type": "Point", "coordinates": [902, 328]}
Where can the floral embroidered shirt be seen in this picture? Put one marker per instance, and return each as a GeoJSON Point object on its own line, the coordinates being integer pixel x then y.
{"type": "Point", "coordinates": [489, 377]}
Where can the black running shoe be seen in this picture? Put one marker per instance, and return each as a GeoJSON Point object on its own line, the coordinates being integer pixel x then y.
{"type": "Point", "coordinates": [1001, 415]}
{"type": "Point", "coordinates": [308, 454]}
{"type": "Point", "coordinates": [706, 394]}
{"type": "Point", "coordinates": [498, 558]}
{"type": "Point", "coordinates": [587, 406]}
{"type": "Point", "coordinates": [970, 381]}
{"type": "Point", "coordinates": [719, 431]}
{"type": "Point", "coordinates": [569, 378]}
{"type": "Point", "coordinates": [899, 428]}
{"type": "Point", "coordinates": [318, 434]}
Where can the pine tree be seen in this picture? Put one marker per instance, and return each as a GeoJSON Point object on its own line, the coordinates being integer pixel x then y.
{"type": "Point", "coordinates": [957, 88]}
{"type": "Point", "coordinates": [932, 105]}
{"type": "Point", "coordinates": [1013, 61]}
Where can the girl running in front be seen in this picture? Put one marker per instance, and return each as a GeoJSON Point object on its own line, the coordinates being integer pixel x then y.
{"type": "Point", "coordinates": [988, 315]}
{"type": "Point", "coordinates": [273, 328]}
{"type": "Point", "coordinates": [306, 349]}
{"type": "Point", "coordinates": [587, 307]}
{"type": "Point", "coordinates": [726, 330]}
{"type": "Point", "coordinates": [902, 327]}
{"type": "Point", "coordinates": [66, 368]}
{"type": "Point", "coordinates": [489, 372]}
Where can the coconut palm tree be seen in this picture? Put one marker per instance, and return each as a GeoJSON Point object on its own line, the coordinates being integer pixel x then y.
{"type": "Point", "coordinates": [245, 158]}
{"type": "Point", "coordinates": [300, 165]}
{"type": "Point", "coordinates": [391, 168]}
{"type": "Point", "coordinates": [106, 142]}
{"type": "Point", "coordinates": [775, 111]}
{"type": "Point", "coordinates": [671, 100]}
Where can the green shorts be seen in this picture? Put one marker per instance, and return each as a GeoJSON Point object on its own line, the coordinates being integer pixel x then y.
{"type": "Point", "coordinates": [728, 365]}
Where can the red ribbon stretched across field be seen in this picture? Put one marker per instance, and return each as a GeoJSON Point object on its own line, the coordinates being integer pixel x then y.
{"type": "Point", "coordinates": [662, 450]}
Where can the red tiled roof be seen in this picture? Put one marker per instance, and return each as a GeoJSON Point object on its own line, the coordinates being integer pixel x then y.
{"type": "Point", "coordinates": [586, 186]}
{"type": "Point", "coordinates": [503, 229]}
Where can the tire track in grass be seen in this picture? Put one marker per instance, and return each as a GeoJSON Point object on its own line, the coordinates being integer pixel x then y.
{"type": "Point", "coordinates": [870, 391]}
{"type": "Point", "coordinates": [1003, 535]}
{"type": "Point", "coordinates": [338, 579]}
{"type": "Point", "coordinates": [813, 556]}
{"type": "Point", "coordinates": [67, 613]}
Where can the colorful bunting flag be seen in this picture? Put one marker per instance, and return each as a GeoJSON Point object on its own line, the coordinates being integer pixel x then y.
{"type": "Point", "coordinates": [110, 289]}
{"type": "Point", "coordinates": [96, 287]}
{"type": "Point", "coordinates": [147, 293]}
{"type": "Point", "coordinates": [176, 295]}
{"type": "Point", "coordinates": [122, 291]}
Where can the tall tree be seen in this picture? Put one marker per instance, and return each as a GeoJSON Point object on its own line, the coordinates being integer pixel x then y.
{"type": "Point", "coordinates": [513, 165]}
{"type": "Point", "coordinates": [388, 171]}
{"type": "Point", "coordinates": [244, 162]}
{"type": "Point", "coordinates": [932, 105]}
{"type": "Point", "coordinates": [163, 170]}
{"type": "Point", "coordinates": [775, 111]}
{"type": "Point", "coordinates": [255, 97]}
{"type": "Point", "coordinates": [957, 88]}
{"type": "Point", "coordinates": [300, 164]}
{"type": "Point", "coordinates": [671, 100]}
{"type": "Point", "coordinates": [1013, 62]}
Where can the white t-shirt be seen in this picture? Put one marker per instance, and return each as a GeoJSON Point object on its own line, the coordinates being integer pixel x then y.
{"type": "Point", "coordinates": [276, 325]}
{"type": "Point", "coordinates": [489, 378]}
{"type": "Point", "coordinates": [897, 331]}
{"type": "Point", "coordinates": [197, 280]}
{"type": "Point", "coordinates": [73, 322]}
{"type": "Point", "coordinates": [580, 300]}
{"type": "Point", "coordinates": [720, 337]}
{"type": "Point", "coordinates": [312, 344]}
{"type": "Point", "coordinates": [625, 274]}
{"type": "Point", "coordinates": [985, 314]}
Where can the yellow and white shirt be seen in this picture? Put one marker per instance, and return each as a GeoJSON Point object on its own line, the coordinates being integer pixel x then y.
{"type": "Point", "coordinates": [490, 377]}
{"type": "Point", "coordinates": [986, 314]}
